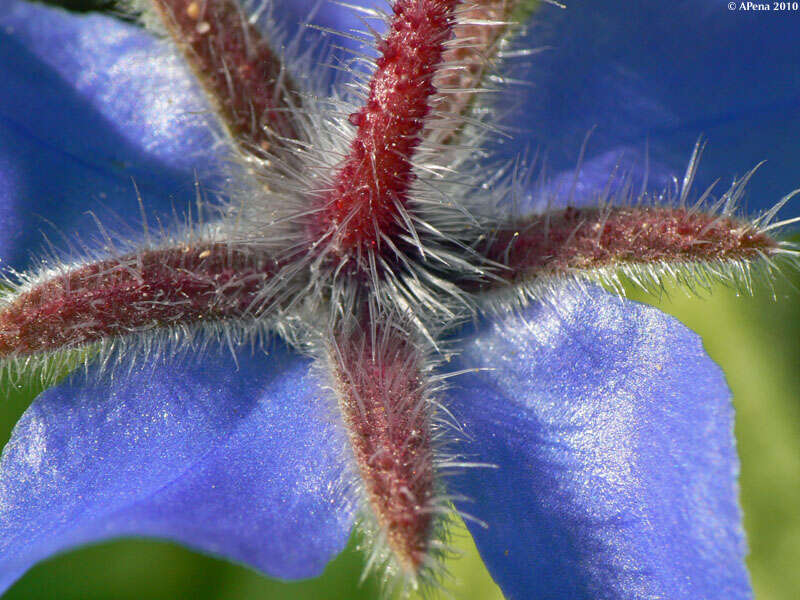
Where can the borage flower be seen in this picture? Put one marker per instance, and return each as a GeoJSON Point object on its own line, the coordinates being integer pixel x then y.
{"type": "Point", "coordinates": [374, 318]}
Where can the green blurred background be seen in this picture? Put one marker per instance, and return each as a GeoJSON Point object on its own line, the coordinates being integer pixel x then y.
{"type": "Point", "coordinates": [755, 339]}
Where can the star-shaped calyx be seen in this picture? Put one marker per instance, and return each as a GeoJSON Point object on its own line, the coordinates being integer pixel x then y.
{"type": "Point", "coordinates": [365, 234]}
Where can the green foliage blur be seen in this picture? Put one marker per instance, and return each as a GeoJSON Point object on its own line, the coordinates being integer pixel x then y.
{"type": "Point", "coordinates": [756, 340]}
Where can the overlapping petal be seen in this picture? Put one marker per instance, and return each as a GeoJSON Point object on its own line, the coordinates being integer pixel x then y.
{"type": "Point", "coordinates": [652, 77]}
{"type": "Point", "coordinates": [238, 461]}
{"type": "Point", "coordinates": [612, 434]}
{"type": "Point", "coordinates": [90, 105]}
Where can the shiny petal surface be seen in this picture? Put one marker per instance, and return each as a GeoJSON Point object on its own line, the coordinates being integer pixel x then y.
{"type": "Point", "coordinates": [612, 434]}
{"type": "Point", "coordinates": [240, 462]}
{"type": "Point", "coordinates": [652, 77]}
{"type": "Point", "coordinates": [89, 106]}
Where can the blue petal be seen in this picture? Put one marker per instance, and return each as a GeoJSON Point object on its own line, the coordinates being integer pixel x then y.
{"type": "Point", "coordinates": [612, 433]}
{"type": "Point", "coordinates": [658, 75]}
{"type": "Point", "coordinates": [88, 104]}
{"type": "Point", "coordinates": [238, 462]}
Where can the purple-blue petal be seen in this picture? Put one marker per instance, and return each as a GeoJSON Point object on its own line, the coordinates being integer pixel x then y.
{"type": "Point", "coordinates": [89, 105]}
{"type": "Point", "coordinates": [240, 461]}
{"type": "Point", "coordinates": [653, 76]}
{"type": "Point", "coordinates": [616, 469]}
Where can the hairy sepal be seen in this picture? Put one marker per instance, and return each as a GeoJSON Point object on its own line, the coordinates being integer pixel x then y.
{"type": "Point", "coordinates": [648, 240]}
{"type": "Point", "coordinates": [483, 30]}
{"type": "Point", "coordinates": [382, 374]}
{"type": "Point", "coordinates": [161, 298]}
{"type": "Point", "coordinates": [246, 81]}
{"type": "Point", "coordinates": [373, 181]}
